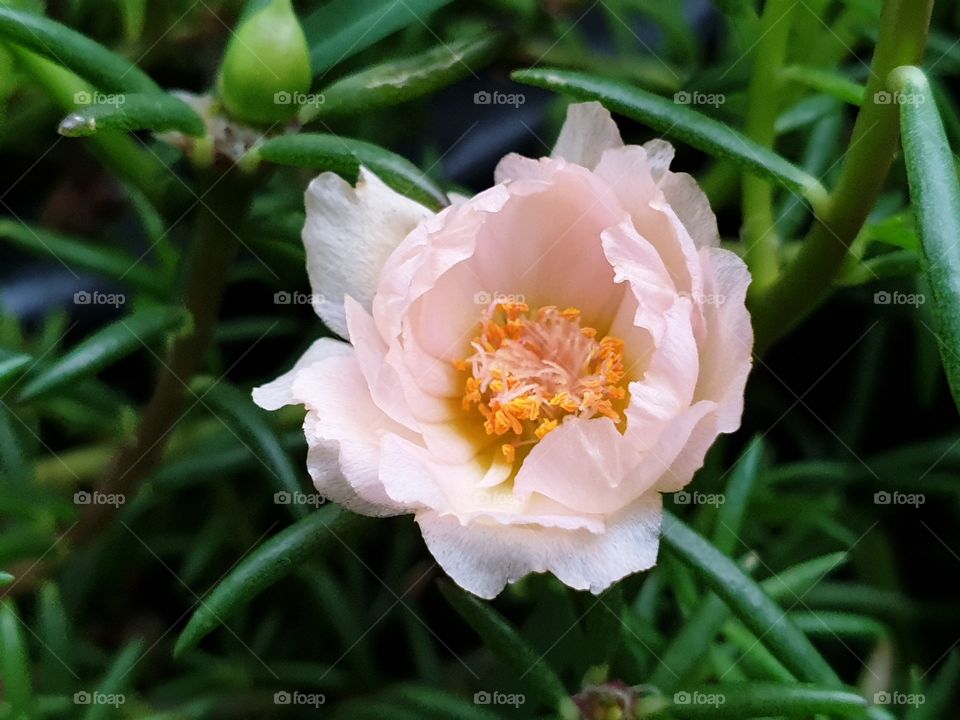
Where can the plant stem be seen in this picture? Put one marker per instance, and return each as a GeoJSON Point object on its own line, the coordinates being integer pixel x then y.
{"type": "Point", "coordinates": [806, 281]}
{"type": "Point", "coordinates": [213, 247]}
{"type": "Point", "coordinates": [759, 236]}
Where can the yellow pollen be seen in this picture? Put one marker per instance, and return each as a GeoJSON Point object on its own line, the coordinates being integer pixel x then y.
{"type": "Point", "coordinates": [530, 370]}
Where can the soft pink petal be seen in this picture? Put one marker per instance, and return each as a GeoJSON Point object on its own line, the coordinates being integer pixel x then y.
{"type": "Point", "coordinates": [669, 382]}
{"type": "Point", "coordinates": [344, 429]}
{"type": "Point", "coordinates": [382, 378]}
{"type": "Point", "coordinates": [581, 465]}
{"type": "Point", "coordinates": [636, 262]}
{"type": "Point", "coordinates": [427, 253]}
{"type": "Point", "coordinates": [726, 362]}
{"type": "Point", "coordinates": [543, 246]}
{"type": "Point", "coordinates": [628, 171]}
{"type": "Point", "coordinates": [414, 477]}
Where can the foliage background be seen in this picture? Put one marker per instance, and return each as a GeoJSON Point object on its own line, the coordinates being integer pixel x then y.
{"type": "Point", "coordinates": [850, 404]}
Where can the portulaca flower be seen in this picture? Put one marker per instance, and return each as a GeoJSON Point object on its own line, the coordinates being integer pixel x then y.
{"type": "Point", "coordinates": [529, 369]}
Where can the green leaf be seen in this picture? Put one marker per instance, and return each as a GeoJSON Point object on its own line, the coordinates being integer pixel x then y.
{"type": "Point", "coordinates": [694, 639]}
{"type": "Point", "coordinates": [73, 50]}
{"type": "Point", "coordinates": [726, 532]}
{"type": "Point", "coordinates": [690, 644]}
{"type": "Point", "coordinates": [754, 608]}
{"type": "Point", "coordinates": [320, 531]}
{"type": "Point", "coordinates": [78, 253]}
{"type": "Point", "coordinates": [935, 195]}
{"type": "Point", "coordinates": [11, 365]}
{"type": "Point", "coordinates": [14, 663]}
{"type": "Point", "coordinates": [400, 80]}
{"type": "Point", "coordinates": [344, 157]}
{"type": "Point", "coordinates": [680, 122]}
{"type": "Point", "coordinates": [56, 648]}
{"type": "Point", "coordinates": [104, 347]}
{"type": "Point", "coordinates": [136, 111]}
{"type": "Point", "coordinates": [118, 678]}
{"type": "Point", "coordinates": [941, 696]}
{"type": "Point", "coordinates": [6, 578]}
{"type": "Point", "coordinates": [251, 427]}
{"type": "Point", "coordinates": [13, 462]}
{"type": "Point", "coordinates": [796, 580]}
{"type": "Point", "coordinates": [761, 700]}
{"type": "Point", "coordinates": [896, 264]}
{"type": "Point", "coordinates": [508, 645]}
{"type": "Point", "coordinates": [435, 703]}
{"type": "Point", "coordinates": [827, 82]}
{"type": "Point", "coordinates": [342, 28]}
{"type": "Point", "coordinates": [827, 625]}
{"type": "Point", "coordinates": [897, 230]}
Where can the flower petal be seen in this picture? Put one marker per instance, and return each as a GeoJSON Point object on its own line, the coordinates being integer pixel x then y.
{"type": "Point", "coordinates": [344, 429]}
{"type": "Point", "coordinates": [726, 359]}
{"type": "Point", "coordinates": [586, 133]}
{"type": "Point", "coordinates": [348, 235]}
{"type": "Point", "coordinates": [691, 205]}
{"type": "Point", "coordinates": [482, 557]}
{"type": "Point", "coordinates": [277, 393]}
{"type": "Point", "coordinates": [581, 465]}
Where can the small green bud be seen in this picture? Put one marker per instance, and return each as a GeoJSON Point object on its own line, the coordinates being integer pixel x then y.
{"type": "Point", "coordinates": [266, 66]}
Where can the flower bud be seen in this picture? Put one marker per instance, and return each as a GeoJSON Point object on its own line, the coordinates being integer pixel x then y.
{"type": "Point", "coordinates": [266, 65]}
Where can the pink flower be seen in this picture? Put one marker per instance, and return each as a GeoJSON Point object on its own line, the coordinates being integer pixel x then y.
{"type": "Point", "coordinates": [528, 369]}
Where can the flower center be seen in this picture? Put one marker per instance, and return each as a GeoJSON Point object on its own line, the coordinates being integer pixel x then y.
{"type": "Point", "coordinates": [530, 370]}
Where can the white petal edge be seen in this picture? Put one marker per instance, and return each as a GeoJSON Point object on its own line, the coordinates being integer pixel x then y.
{"type": "Point", "coordinates": [482, 558]}
{"type": "Point", "coordinates": [348, 236]}
{"type": "Point", "coordinates": [691, 205]}
{"type": "Point", "coordinates": [587, 132]}
{"type": "Point", "coordinates": [278, 393]}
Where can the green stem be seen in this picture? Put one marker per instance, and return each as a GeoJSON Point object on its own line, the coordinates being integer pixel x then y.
{"type": "Point", "coordinates": [806, 281]}
{"type": "Point", "coordinates": [213, 247]}
{"type": "Point", "coordinates": [759, 236]}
